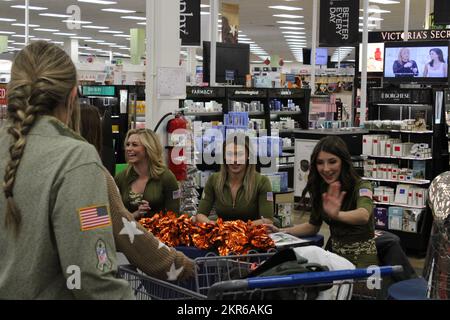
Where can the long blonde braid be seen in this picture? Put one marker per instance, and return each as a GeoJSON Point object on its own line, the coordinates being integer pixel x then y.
{"type": "Point", "coordinates": [42, 77]}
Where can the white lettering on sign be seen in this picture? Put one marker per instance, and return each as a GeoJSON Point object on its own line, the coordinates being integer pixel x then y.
{"type": "Point", "coordinates": [183, 17]}
{"type": "Point", "coordinates": [395, 96]}
{"type": "Point", "coordinates": [340, 17]}
{"type": "Point", "coordinates": [286, 93]}
{"type": "Point", "coordinates": [250, 93]}
{"type": "Point", "coordinates": [202, 91]}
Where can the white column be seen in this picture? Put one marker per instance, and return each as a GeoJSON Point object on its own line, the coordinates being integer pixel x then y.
{"type": "Point", "coordinates": [27, 21]}
{"type": "Point", "coordinates": [313, 47]}
{"type": "Point", "coordinates": [214, 14]}
{"type": "Point", "coordinates": [406, 21]}
{"type": "Point", "coordinates": [191, 63]}
{"type": "Point", "coordinates": [427, 14]}
{"type": "Point", "coordinates": [363, 106]}
{"type": "Point", "coordinates": [71, 48]}
{"type": "Point", "coordinates": [163, 50]}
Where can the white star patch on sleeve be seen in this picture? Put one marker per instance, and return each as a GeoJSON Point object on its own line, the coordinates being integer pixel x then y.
{"type": "Point", "coordinates": [162, 245]}
{"type": "Point", "coordinates": [130, 229]}
{"type": "Point", "coordinates": [174, 273]}
{"type": "Point", "coordinates": [233, 29]}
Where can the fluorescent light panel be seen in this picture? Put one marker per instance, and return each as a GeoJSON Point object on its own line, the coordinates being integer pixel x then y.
{"type": "Point", "coordinates": [288, 16]}
{"type": "Point", "coordinates": [23, 25]}
{"type": "Point", "coordinates": [77, 21]}
{"type": "Point", "coordinates": [55, 15]}
{"type": "Point", "coordinates": [292, 28]}
{"type": "Point", "coordinates": [118, 10]}
{"type": "Point", "coordinates": [95, 27]}
{"type": "Point", "coordinates": [110, 31]}
{"type": "Point", "coordinates": [46, 30]}
{"type": "Point", "coordinates": [7, 19]}
{"type": "Point", "coordinates": [29, 7]}
{"type": "Point", "coordinates": [134, 18]}
{"type": "Point", "coordinates": [98, 1]}
{"type": "Point", "coordinates": [286, 8]}
{"type": "Point", "coordinates": [290, 22]}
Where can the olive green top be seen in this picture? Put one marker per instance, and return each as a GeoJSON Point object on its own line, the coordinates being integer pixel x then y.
{"type": "Point", "coordinates": [58, 253]}
{"type": "Point", "coordinates": [260, 204]}
{"type": "Point", "coordinates": [343, 232]}
{"type": "Point", "coordinates": [163, 194]}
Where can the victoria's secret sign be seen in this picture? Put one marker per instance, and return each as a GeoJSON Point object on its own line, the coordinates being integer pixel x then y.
{"type": "Point", "coordinates": [386, 36]}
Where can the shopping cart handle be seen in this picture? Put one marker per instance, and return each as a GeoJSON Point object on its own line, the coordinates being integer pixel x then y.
{"type": "Point", "coordinates": [216, 290]}
{"type": "Point", "coordinates": [320, 277]}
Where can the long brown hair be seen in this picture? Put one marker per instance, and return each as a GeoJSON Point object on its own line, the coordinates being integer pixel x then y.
{"type": "Point", "coordinates": [250, 171]}
{"type": "Point", "coordinates": [153, 149]}
{"type": "Point", "coordinates": [91, 126]}
{"type": "Point", "coordinates": [348, 177]}
{"type": "Point", "coordinates": [42, 78]}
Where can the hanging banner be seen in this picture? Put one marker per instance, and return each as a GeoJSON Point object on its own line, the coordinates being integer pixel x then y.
{"type": "Point", "coordinates": [339, 21]}
{"type": "Point", "coordinates": [137, 45]}
{"type": "Point", "coordinates": [3, 44]}
{"type": "Point", "coordinates": [230, 23]}
{"type": "Point", "coordinates": [3, 97]}
{"type": "Point", "coordinates": [190, 22]}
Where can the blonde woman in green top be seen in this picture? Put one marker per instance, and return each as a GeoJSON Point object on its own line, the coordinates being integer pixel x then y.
{"type": "Point", "coordinates": [237, 192]}
{"type": "Point", "coordinates": [147, 186]}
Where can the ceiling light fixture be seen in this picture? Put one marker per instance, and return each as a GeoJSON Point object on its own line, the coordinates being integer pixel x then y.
{"type": "Point", "coordinates": [118, 10]}
{"type": "Point", "coordinates": [287, 8]}
{"type": "Point", "coordinates": [292, 28]}
{"type": "Point", "coordinates": [134, 18]}
{"type": "Point", "coordinates": [98, 1]}
{"type": "Point", "coordinates": [29, 7]}
{"type": "Point", "coordinates": [288, 16]}
{"type": "Point", "coordinates": [23, 25]}
{"type": "Point", "coordinates": [95, 27]}
{"type": "Point", "coordinates": [7, 19]}
{"type": "Point", "coordinates": [290, 22]}
{"type": "Point", "coordinates": [46, 30]}
{"type": "Point", "coordinates": [77, 21]}
{"type": "Point", "coordinates": [55, 15]}
{"type": "Point", "coordinates": [110, 31]}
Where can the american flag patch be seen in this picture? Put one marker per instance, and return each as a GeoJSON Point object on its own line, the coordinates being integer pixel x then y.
{"type": "Point", "coordinates": [365, 193]}
{"type": "Point", "coordinates": [94, 217]}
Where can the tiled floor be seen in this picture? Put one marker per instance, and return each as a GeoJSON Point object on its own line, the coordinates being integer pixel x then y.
{"type": "Point", "coordinates": [300, 217]}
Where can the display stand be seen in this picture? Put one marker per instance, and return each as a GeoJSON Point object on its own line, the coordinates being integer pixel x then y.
{"type": "Point", "coordinates": [387, 110]}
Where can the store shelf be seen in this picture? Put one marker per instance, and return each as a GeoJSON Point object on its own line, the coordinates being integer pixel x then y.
{"type": "Point", "coordinates": [283, 113]}
{"type": "Point", "coordinates": [284, 130]}
{"type": "Point", "coordinates": [401, 105]}
{"type": "Point", "coordinates": [288, 148]}
{"type": "Point", "coordinates": [203, 114]}
{"type": "Point", "coordinates": [399, 205]}
{"type": "Point", "coordinates": [392, 157]}
{"type": "Point", "coordinates": [285, 166]}
{"type": "Point", "coordinates": [404, 131]}
{"type": "Point", "coordinates": [256, 113]}
{"type": "Point", "coordinates": [419, 182]}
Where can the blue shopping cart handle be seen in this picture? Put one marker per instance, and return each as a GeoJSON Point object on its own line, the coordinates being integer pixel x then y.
{"type": "Point", "coordinates": [320, 277]}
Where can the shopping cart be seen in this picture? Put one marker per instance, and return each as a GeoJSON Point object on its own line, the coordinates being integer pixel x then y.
{"type": "Point", "coordinates": [223, 278]}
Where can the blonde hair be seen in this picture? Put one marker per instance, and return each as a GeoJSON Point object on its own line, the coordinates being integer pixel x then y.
{"type": "Point", "coordinates": [153, 150]}
{"type": "Point", "coordinates": [400, 54]}
{"type": "Point", "coordinates": [42, 78]}
{"type": "Point", "coordinates": [250, 171]}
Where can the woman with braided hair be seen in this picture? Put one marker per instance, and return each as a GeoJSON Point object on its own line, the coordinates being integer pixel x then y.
{"type": "Point", "coordinates": [55, 228]}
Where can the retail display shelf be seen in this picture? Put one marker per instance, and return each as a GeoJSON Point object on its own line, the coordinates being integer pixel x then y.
{"type": "Point", "coordinates": [285, 166]}
{"type": "Point", "coordinates": [288, 148]}
{"type": "Point", "coordinates": [203, 114]}
{"type": "Point", "coordinates": [285, 130]}
{"type": "Point", "coordinates": [392, 157]}
{"type": "Point", "coordinates": [419, 182]}
{"type": "Point", "coordinates": [401, 105]}
{"type": "Point", "coordinates": [256, 113]}
{"type": "Point", "coordinates": [404, 131]}
{"type": "Point", "coordinates": [284, 112]}
{"type": "Point", "coordinates": [400, 205]}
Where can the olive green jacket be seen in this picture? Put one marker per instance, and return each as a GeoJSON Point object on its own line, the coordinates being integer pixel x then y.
{"type": "Point", "coordinates": [260, 204]}
{"type": "Point", "coordinates": [347, 233]}
{"type": "Point", "coordinates": [55, 255]}
{"type": "Point", "coordinates": [163, 194]}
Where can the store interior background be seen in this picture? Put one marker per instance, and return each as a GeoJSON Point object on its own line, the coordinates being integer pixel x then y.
{"type": "Point", "coordinates": [259, 26]}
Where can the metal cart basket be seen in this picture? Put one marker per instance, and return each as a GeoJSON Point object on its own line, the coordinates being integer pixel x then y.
{"type": "Point", "coordinates": [223, 278]}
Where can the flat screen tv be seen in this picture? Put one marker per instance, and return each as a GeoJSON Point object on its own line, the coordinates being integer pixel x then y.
{"type": "Point", "coordinates": [321, 56]}
{"type": "Point", "coordinates": [229, 57]}
{"type": "Point", "coordinates": [418, 62]}
{"type": "Point", "coordinates": [375, 57]}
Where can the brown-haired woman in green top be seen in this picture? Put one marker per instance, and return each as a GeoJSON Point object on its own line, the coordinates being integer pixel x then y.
{"type": "Point", "coordinates": [147, 186]}
{"type": "Point", "coordinates": [237, 192]}
{"type": "Point", "coordinates": [341, 199]}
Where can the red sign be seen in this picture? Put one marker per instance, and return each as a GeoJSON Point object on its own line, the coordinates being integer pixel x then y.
{"type": "Point", "coordinates": [3, 100]}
